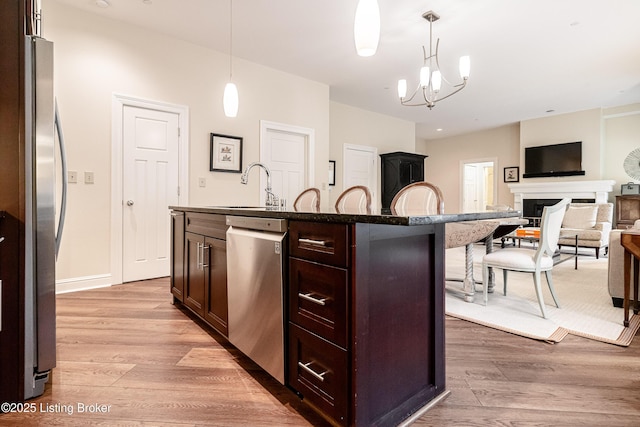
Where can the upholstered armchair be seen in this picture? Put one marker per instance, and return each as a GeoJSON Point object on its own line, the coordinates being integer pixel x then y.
{"type": "Point", "coordinates": [591, 222]}
{"type": "Point", "coordinates": [616, 266]}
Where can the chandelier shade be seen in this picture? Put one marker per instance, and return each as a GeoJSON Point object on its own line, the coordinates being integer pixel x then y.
{"type": "Point", "coordinates": [430, 88]}
{"type": "Point", "coordinates": [366, 27]}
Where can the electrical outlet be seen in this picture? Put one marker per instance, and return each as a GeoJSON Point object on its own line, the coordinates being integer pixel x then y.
{"type": "Point", "coordinates": [202, 182]}
{"type": "Point", "coordinates": [72, 177]}
{"type": "Point", "coordinates": [88, 178]}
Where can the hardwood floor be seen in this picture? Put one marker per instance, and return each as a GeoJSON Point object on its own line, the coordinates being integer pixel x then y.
{"type": "Point", "coordinates": [144, 362]}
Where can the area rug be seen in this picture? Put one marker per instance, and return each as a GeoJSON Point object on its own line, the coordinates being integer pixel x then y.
{"type": "Point", "coordinates": [585, 305]}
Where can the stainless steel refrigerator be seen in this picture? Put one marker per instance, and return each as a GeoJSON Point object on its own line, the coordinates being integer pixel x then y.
{"type": "Point", "coordinates": [42, 230]}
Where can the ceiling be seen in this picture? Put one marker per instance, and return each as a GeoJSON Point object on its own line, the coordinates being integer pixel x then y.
{"type": "Point", "coordinates": [529, 58]}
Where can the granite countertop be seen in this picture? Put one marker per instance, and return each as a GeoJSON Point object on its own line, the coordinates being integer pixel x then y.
{"type": "Point", "coordinates": [330, 215]}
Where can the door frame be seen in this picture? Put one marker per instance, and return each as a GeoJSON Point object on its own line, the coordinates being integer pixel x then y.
{"type": "Point", "coordinates": [309, 140]}
{"type": "Point", "coordinates": [118, 103]}
{"type": "Point", "coordinates": [463, 163]}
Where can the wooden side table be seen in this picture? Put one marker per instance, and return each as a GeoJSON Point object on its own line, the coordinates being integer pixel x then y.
{"type": "Point", "coordinates": [630, 241]}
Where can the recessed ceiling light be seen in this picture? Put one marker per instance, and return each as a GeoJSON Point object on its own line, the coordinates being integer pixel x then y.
{"type": "Point", "coordinates": [102, 3]}
{"type": "Point", "coordinates": [439, 130]}
{"type": "Point", "coordinates": [147, 1]}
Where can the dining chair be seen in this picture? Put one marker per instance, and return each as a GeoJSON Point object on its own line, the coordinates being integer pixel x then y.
{"type": "Point", "coordinates": [419, 198]}
{"type": "Point", "coordinates": [527, 260]}
{"type": "Point", "coordinates": [424, 198]}
{"type": "Point", "coordinates": [356, 199]}
{"type": "Point", "coordinates": [308, 201]}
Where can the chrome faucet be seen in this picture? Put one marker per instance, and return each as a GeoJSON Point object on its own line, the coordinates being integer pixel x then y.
{"type": "Point", "coordinates": [272, 199]}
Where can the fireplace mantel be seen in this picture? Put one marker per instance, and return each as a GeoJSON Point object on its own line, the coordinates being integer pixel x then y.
{"type": "Point", "coordinates": [597, 190]}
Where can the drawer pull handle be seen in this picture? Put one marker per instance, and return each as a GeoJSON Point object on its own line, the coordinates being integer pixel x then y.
{"type": "Point", "coordinates": [308, 297]}
{"type": "Point", "coordinates": [306, 367]}
{"type": "Point", "coordinates": [313, 242]}
{"type": "Point", "coordinates": [205, 248]}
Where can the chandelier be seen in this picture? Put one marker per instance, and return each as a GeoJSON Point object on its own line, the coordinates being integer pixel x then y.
{"type": "Point", "coordinates": [429, 90]}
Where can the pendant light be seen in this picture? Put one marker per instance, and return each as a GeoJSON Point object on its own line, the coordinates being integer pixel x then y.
{"type": "Point", "coordinates": [366, 27]}
{"type": "Point", "coordinates": [230, 100]}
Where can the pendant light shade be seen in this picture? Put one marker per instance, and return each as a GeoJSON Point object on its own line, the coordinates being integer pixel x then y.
{"type": "Point", "coordinates": [230, 100]}
{"type": "Point", "coordinates": [366, 28]}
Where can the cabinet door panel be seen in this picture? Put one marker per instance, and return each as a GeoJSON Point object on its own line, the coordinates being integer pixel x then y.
{"type": "Point", "coordinates": [318, 299]}
{"type": "Point", "coordinates": [177, 255]}
{"type": "Point", "coordinates": [216, 310]}
{"type": "Point", "coordinates": [319, 371]}
{"type": "Point", "coordinates": [195, 275]}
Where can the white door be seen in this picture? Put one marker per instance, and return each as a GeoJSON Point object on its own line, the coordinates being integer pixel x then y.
{"type": "Point", "coordinates": [150, 185]}
{"type": "Point", "coordinates": [360, 168]}
{"type": "Point", "coordinates": [470, 196]}
{"type": "Point", "coordinates": [479, 185]}
{"type": "Point", "coordinates": [286, 152]}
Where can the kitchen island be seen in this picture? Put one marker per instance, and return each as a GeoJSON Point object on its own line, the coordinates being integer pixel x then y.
{"type": "Point", "coordinates": [362, 304]}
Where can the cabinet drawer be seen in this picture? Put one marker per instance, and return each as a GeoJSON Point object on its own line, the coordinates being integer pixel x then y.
{"type": "Point", "coordinates": [318, 370]}
{"type": "Point", "coordinates": [318, 299]}
{"type": "Point", "coordinates": [210, 225]}
{"type": "Point", "coordinates": [324, 243]}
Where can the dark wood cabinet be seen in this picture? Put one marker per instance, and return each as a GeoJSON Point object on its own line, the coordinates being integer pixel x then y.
{"type": "Point", "coordinates": [397, 171]}
{"type": "Point", "coordinates": [366, 331]}
{"type": "Point", "coordinates": [177, 255]}
{"type": "Point", "coordinates": [194, 289]}
{"type": "Point", "coordinates": [627, 211]}
{"type": "Point", "coordinates": [319, 297]}
{"type": "Point", "coordinates": [205, 269]}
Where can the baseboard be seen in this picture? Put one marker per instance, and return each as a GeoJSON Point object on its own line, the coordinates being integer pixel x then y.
{"type": "Point", "coordinates": [83, 283]}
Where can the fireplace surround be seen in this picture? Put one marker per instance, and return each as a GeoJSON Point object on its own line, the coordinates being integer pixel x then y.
{"type": "Point", "coordinates": [530, 198]}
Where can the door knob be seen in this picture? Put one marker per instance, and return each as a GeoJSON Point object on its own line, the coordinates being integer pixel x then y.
{"type": "Point", "coordinates": [129, 202]}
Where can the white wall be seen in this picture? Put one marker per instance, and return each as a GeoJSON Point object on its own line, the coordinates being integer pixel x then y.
{"type": "Point", "coordinates": [585, 126]}
{"type": "Point", "coordinates": [608, 135]}
{"type": "Point", "coordinates": [442, 167]}
{"type": "Point", "coordinates": [96, 57]}
{"type": "Point", "coordinates": [622, 135]}
{"type": "Point", "coordinates": [351, 125]}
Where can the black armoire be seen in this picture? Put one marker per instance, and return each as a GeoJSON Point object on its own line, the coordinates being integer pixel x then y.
{"type": "Point", "coordinates": [399, 170]}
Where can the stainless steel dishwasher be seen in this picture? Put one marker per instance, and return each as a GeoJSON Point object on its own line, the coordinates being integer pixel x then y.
{"type": "Point", "coordinates": [255, 268]}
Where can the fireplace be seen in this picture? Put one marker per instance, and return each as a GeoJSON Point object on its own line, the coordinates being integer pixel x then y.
{"type": "Point", "coordinates": [531, 198]}
{"type": "Point", "coordinates": [532, 208]}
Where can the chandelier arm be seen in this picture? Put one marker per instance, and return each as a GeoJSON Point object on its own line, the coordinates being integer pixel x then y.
{"type": "Point", "coordinates": [460, 87]}
{"type": "Point", "coordinates": [429, 95]}
{"type": "Point", "coordinates": [405, 101]}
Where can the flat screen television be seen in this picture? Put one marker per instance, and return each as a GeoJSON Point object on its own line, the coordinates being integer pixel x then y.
{"type": "Point", "coordinates": [553, 160]}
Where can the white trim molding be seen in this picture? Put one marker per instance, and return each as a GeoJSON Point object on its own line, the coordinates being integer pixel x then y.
{"type": "Point", "coordinates": [83, 283]}
{"type": "Point", "coordinates": [597, 190]}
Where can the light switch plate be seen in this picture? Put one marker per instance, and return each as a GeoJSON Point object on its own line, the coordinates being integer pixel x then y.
{"type": "Point", "coordinates": [88, 178]}
{"type": "Point", "coordinates": [72, 177]}
{"type": "Point", "coordinates": [202, 182]}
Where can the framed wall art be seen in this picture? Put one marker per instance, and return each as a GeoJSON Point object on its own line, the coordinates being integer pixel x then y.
{"type": "Point", "coordinates": [512, 174]}
{"type": "Point", "coordinates": [226, 153]}
{"type": "Point", "coordinates": [332, 172]}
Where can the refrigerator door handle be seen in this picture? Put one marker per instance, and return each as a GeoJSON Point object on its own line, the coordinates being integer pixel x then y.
{"type": "Point", "coordinates": [63, 165]}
